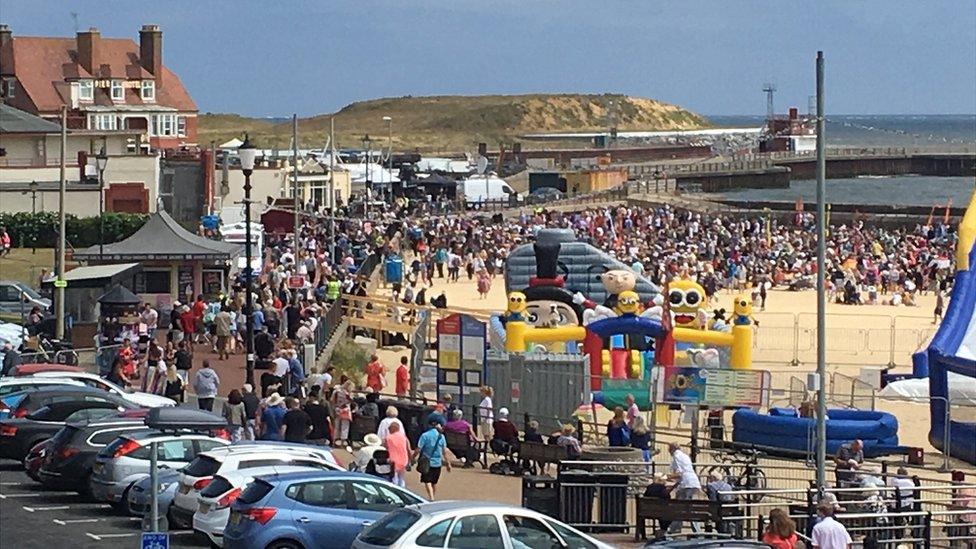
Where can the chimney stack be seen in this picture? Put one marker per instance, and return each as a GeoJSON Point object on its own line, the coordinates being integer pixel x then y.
{"type": "Point", "coordinates": [88, 45]}
{"type": "Point", "coordinates": [6, 50]}
{"type": "Point", "coordinates": [151, 51]}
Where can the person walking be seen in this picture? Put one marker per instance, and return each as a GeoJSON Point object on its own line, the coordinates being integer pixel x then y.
{"type": "Point", "coordinates": [273, 418]}
{"type": "Point", "coordinates": [342, 404]}
{"type": "Point", "coordinates": [205, 384]}
{"type": "Point", "coordinates": [688, 486]}
{"type": "Point", "coordinates": [486, 413]}
{"type": "Point", "coordinates": [297, 423]}
{"type": "Point", "coordinates": [430, 457]}
{"type": "Point", "coordinates": [828, 533]}
{"type": "Point", "coordinates": [235, 413]}
{"type": "Point", "coordinates": [375, 374]}
{"type": "Point", "coordinates": [222, 325]}
{"type": "Point", "coordinates": [251, 405]}
{"type": "Point", "coordinates": [398, 446]}
{"type": "Point", "coordinates": [403, 377]}
{"type": "Point", "coordinates": [320, 415]}
{"type": "Point", "coordinates": [781, 531]}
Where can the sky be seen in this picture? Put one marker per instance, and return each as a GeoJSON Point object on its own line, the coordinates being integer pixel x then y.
{"type": "Point", "coordinates": [263, 58]}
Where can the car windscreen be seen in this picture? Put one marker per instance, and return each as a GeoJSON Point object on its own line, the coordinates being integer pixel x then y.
{"type": "Point", "coordinates": [63, 436]}
{"type": "Point", "coordinates": [202, 466]}
{"type": "Point", "coordinates": [390, 528]}
{"type": "Point", "coordinates": [217, 487]}
{"type": "Point", "coordinates": [254, 492]}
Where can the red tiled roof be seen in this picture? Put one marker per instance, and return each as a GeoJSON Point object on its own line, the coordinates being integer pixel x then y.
{"type": "Point", "coordinates": [42, 64]}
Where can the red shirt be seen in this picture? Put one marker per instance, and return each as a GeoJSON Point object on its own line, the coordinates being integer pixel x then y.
{"type": "Point", "coordinates": [198, 308]}
{"type": "Point", "coordinates": [374, 372]}
{"type": "Point", "coordinates": [402, 380]}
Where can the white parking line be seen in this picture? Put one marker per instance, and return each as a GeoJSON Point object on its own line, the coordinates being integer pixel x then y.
{"type": "Point", "coordinates": [46, 508]}
{"type": "Point", "coordinates": [100, 537]}
{"type": "Point", "coordinates": [63, 522]}
{"type": "Point", "coordinates": [36, 494]}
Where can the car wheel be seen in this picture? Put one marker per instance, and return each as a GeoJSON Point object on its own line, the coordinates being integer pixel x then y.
{"type": "Point", "coordinates": [284, 544]}
{"type": "Point", "coordinates": [86, 490]}
{"type": "Point", "coordinates": [122, 505]}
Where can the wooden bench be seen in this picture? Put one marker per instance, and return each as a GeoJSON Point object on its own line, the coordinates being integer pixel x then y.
{"type": "Point", "coordinates": [538, 453]}
{"type": "Point", "coordinates": [693, 510]}
{"type": "Point", "coordinates": [460, 444]}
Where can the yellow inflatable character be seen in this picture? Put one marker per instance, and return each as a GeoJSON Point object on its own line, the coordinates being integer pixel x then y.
{"type": "Point", "coordinates": [516, 307]}
{"type": "Point", "coordinates": [687, 300]}
{"type": "Point", "coordinates": [742, 312]}
{"type": "Point", "coordinates": [628, 303]}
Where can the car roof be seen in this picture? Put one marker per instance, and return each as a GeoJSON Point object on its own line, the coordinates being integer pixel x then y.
{"type": "Point", "coordinates": [32, 380]}
{"type": "Point", "coordinates": [150, 434]}
{"type": "Point", "coordinates": [67, 375]}
{"type": "Point", "coordinates": [453, 506]}
{"type": "Point", "coordinates": [320, 474]}
{"type": "Point", "coordinates": [29, 369]}
{"type": "Point", "coordinates": [69, 389]}
{"type": "Point", "coordinates": [278, 471]}
{"type": "Point", "coordinates": [252, 448]}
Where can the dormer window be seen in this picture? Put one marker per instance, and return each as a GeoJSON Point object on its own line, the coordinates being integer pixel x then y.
{"type": "Point", "coordinates": [148, 90]}
{"type": "Point", "coordinates": [86, 90]}
{"type": "Point", "coordinates": [118, 92]}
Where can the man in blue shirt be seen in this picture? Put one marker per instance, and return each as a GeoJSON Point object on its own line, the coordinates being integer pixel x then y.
{"type": "Point", "coordinates": [430, 448]}
{"type": "Point", "coordinates": [273, 418]}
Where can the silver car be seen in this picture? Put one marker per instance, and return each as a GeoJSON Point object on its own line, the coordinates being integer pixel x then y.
{"type": "Point", "coordinates": [471, 524]}
{"type": "Point", "coordinates": [126, 460]}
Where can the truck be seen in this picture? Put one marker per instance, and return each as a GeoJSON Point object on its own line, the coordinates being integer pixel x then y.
{"type": "Point", "coordinates": [479, 189]}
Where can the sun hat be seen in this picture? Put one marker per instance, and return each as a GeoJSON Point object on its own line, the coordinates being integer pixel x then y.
{"type": "Point", "coordinates": [372, 439]}
{"type": "Point", "coordinates": [275, 399]}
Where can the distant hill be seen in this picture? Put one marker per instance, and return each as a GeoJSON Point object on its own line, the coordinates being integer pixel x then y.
{"type": "Point", "coordinates": [458, 123]}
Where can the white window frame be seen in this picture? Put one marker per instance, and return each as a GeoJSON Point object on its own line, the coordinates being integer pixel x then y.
{"type": "Point", "coordinates": [102, 122]}
{"type": "Point", "coordinates": [168, 125]}
{"type": "Point", "coordinates": [117, 87]}
{"type": "Point", "coordinates": [181, 126]}
{"type": "Point", "coordinates": [86, 86]}
{"type": "Point", "coordinates": [148, 90]}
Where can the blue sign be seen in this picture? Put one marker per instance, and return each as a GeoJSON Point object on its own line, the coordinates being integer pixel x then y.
{"type": "Point", "coordinates": [155, 540]}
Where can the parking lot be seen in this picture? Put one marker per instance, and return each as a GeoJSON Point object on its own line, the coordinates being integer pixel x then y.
{"type": "Point", "coordinates": [32, 516]}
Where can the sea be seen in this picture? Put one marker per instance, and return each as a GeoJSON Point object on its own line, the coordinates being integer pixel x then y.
{"type": "Point", "coordinates": [948, 131]}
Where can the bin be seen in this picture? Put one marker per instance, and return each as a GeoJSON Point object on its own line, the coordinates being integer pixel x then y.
{"type": "Point", "coordinates": [393, 269]}
{"type": "Point", "coordinates": [413, 415]}
{"type": "Point", "coordinates": [539, 493]}
{"type": "Point", "coordinates": [613, 501]}
{"type": "Point", "coordinates": [576, 493]}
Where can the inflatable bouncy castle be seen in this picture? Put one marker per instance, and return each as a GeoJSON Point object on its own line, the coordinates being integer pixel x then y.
{"type": "Point", "coordinates": [628, 332]}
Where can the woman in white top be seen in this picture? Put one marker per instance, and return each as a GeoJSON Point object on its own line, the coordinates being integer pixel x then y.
{"type": "Point", "coordinates": [486, 414]}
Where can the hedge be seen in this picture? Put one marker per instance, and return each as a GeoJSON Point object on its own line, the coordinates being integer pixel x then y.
{"type": "Point", "coordinates": [41, 229]}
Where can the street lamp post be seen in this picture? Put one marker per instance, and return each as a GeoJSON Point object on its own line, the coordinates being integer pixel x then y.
{"type": "Point", "coordinates": [369, 184]}
{"type": "Point", "coordinates": [389, 152]}
{"type": "Point", "coordinates": [33, 193]}
{"type": "Point", "coordinates": [247, 153]}
{"type": "Point", "coordinates": [101, 160]}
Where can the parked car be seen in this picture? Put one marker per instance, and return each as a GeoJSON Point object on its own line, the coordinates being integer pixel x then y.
{"type": "Point", "coordinates": [41, 414]}
{"type": "Point", "coordinates": [199, 472]}
{"type": "Point", "coordinates": [544, 194]}
{"type": "Point", "coordinates": [147, 400]}
{"type": "Point", "coordinates": [10, 385]}
{"type": "Point", "coordinates": [34, 458]}
{"type": "Point", "coordinates": [300, 509]}
{"type": "Point", "coordinates": [139, 499]}
{"type": "Point", "coordinates": [71, 455]}
{"type": "Point", "coordinates": [215, 500]}
{"type": "Point", "coordinates": [16, 296]}
{"type": "Point", "coordinates": [471, 524]}
{"type": "Point", "coordinates": [29, 369]}
{"type": "Point", "coordinates": [126, 459]}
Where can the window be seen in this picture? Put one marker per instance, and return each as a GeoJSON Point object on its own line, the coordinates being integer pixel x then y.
{"type": "Point", "coordinates": [86, 90]}
{"type": "Point", "coordinates": [435, 535]}
{"type": "Point", "coordinates": [391, 527]}
{"type": "Point", "coordinates": [181, 126]}
{"type": "Point", "coordinates": [148, 90]}
{"type": "Point", "coordinates": [102, 438]}
{"type": "Point", "coordinates": [102, 122]}
{"type": "Point", "coordinates": [118, 92]}
{"type": "Point", "coordinates": [152, 282]}
{"type": "Point", "coordinates": [529, 532]}
{"type": "Point", "coordinates": [205, 445]}
{"type": "Point", "coordinates": [10, 87]}
{"type": "Point", "coordinates": [572, 538]}
{"type": "Point", "coordinates": [330, 494]}
{"type": "Point", "coordinates": [202, 466]}
{"type": "Point", "coordinates": [175, 450]}
{"type": "Point", "coordinates": [476, 532]}
{"type": "Point", "coordinates": [370, 496]}
{"type": "Point", "coordinates": [167, 125]}
{"type": "Point", "coordinates": [255, 492]}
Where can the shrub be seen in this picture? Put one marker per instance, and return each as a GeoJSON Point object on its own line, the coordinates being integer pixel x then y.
{"type": "Point", "coordinates": [41, 229]}
{"type": "Point", "coordinates": [349, 359]}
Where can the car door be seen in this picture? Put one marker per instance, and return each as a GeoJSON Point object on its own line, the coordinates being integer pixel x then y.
{"type": "Point", "coordinates": [322, 511]}
{"type": "Point", "coordinates": [529, 533]}
{"type": "Point", "coordinates": [476, 532]}
{"type": "Point", "coordinates": [373, 500]}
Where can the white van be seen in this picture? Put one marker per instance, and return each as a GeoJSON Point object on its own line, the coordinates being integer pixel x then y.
{"type": "Point", "coordinates": [481, 188]}
{"type": "Point", "coordinates": [236, 232]}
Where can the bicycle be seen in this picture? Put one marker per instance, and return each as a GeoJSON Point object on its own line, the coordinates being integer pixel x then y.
{"type": "Point", "coordinates": [741, 470]}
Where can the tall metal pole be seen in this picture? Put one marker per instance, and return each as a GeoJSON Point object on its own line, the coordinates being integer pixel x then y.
{"type": "Point", "coordinates": [294, 175]}
{"type": "Point", "coordinates": [59, 291]}
{"type": "Point", "coordinates": [331, 202]}
{"type": "Point", "coordinates": [248, 276]}
{"type": "Point", "coordinates": [154, 486]}
{"type": "Point", "coordinates": [821, 294]}
{"type": "Point", "coordinates": [389, 156]}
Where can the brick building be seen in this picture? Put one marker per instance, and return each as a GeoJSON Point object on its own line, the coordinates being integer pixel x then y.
{"type": "Point", "coordinates": [107, 83]}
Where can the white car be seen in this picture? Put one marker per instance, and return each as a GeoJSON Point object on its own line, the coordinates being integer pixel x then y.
{"type": "Point", "coordinates": [471, 524]}
{"type": "Point", "coordinates": [200, 472]}
{"type": "Point", "coordinates": [10, 385]}
{"type": "Point", "coordinates": [214, 501]}
{"type": "Point", "coordinates": [146, 400]}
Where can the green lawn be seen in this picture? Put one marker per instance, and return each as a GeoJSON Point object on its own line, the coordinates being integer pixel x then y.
{"type": "Point", "coordinates": [25, 266]}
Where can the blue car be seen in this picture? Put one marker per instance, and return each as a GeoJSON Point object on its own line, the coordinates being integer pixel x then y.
{"type": "Point", "coordinates": [301, 510]}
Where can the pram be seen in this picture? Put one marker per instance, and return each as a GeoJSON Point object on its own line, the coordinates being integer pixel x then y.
{"type": "Point", "coordinates": [380, 465]}
{"type": "Point", "coordinates": [508, 464]}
